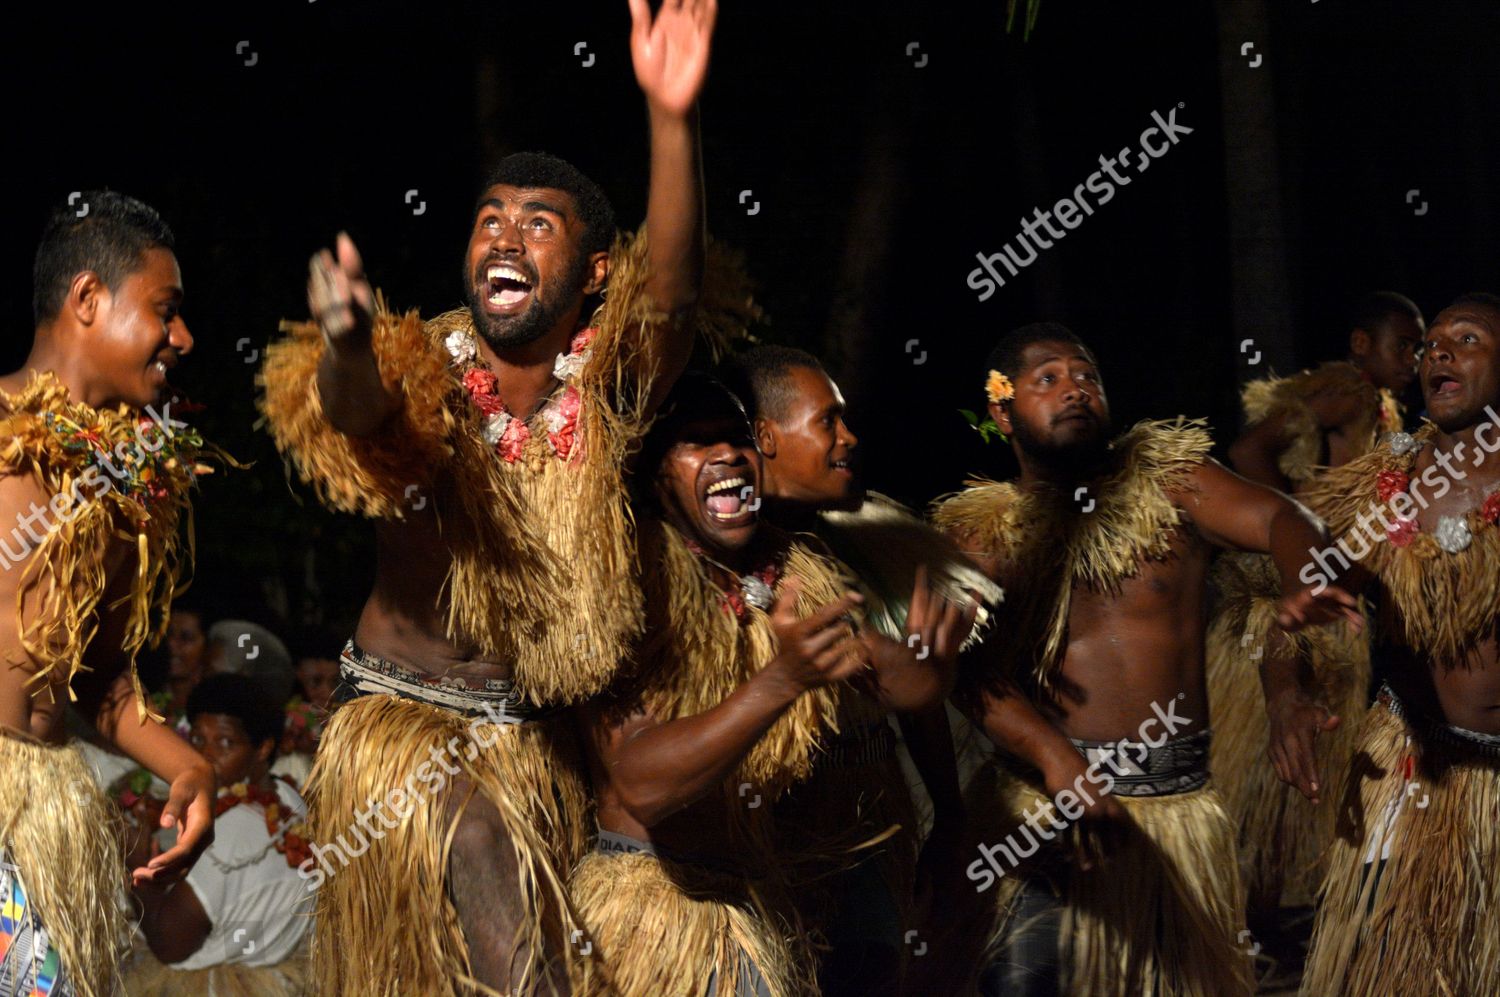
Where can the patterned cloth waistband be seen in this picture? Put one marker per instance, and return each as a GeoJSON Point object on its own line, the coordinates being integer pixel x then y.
{"type": "Point", "coordinates": [498, 700]}
{"type": "Point", "coordinates": [863, 745]}
{"type": "Point", "coordinates": [1487, 745]}
{"type": "Point", "coordinates": [1179, 765]}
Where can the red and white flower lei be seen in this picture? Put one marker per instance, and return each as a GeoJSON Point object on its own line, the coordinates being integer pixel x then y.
{"type": "Point", "coordinates": [733, 600]}
{"type": "Point", "coordinates": [503, 430]}
{"type": "Point", "coordinates": [1453, 531]}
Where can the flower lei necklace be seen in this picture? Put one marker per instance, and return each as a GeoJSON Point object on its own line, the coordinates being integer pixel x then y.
{"type": "Point", "coordinates": [123, 446]}
{"type": "Point", "coordinates": [502, 429]}
{"type": "Point", "coordinates": [1453, 533]}
{"type": "Point", "coordinates": [283, 828]}
{"type": "Point", "coordinates": [756, 587]}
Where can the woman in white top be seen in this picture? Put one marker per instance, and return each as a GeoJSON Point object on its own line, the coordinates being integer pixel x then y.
{"type": "Point", "coordinates": [237, 923]}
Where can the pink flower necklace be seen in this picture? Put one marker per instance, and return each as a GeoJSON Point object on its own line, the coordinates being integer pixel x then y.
{"type": "Point", "coordinates": [503, 430]}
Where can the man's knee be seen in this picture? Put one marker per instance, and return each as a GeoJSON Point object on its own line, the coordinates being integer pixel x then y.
{"type": "Point", "coordinates": [481, 844]}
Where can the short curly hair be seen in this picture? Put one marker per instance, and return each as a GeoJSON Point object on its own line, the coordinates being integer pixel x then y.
{"type": "Point", "coordinates": [542, 169]}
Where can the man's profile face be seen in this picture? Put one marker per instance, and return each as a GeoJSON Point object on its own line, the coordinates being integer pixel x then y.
{"type": "Point", "coordinates": [1059, 412]}
{"type": "Point", "coordinates": [1458, 372]}
{"type": "Point", "coordinates": [525, 272]}
{"type": "Point", "coordinates": [808, 460]}
{"type": "Point", "coordinates": [1390, 357]}
{"type": "Point", "coordinates": [708, 480]}
{"type": "Point", "coordinates": [139, 332]}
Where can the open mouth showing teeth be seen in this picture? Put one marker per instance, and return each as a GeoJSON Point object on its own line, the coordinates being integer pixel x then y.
{"type": "Point", "coordinates": [728, 499]}
{"type": "Point", "coordinates": [1443, 384]}
{"type": "Point", "coordinates": [507, 284]}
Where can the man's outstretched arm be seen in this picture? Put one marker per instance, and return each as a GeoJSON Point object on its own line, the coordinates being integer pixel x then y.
{"type": "Point", "coordinates": [355, 398]}
{"type": "Point", "coordinates": [1237, 513]}
{"type": "Point", "coordinates": [1242, 515]}
{"type": "Point", "coordinates": [671, 54]}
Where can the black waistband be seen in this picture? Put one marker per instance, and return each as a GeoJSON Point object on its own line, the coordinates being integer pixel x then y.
{"type": "Point", "coordinates": [1427, 728]}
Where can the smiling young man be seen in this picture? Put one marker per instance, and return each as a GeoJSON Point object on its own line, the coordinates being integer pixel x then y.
{"type": "Point", "coordinates": [747, 643]}
{"type": "Point", "coordinates": [97, 492]}
{"type": "Point", "coordinates": [1408, 902]}
{"type": "Point", "coordinates": [1296, 428]}
{"type": "Point", "coordinates": [1103, 548]}
{"type": "Point", "coordinates": [488, 444]}
{"type": "Point", "coordinates": [237, 922]}
{"type": "Point", "coordinates": [810, 486]}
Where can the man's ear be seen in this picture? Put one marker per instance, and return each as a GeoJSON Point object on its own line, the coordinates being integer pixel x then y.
{"type": "Point", "coordinates": [263, 752]}
{"type": "Point", "coordinates": [1001, 415]}
{"type": "Point", "coordinates": [86, 295]}
{"type": "Point", "coordinates": [1360, 342]}
{"type": "Point", "coordinates": [765, 438]}
{"type": "Point", "coordinates": [598, 269]}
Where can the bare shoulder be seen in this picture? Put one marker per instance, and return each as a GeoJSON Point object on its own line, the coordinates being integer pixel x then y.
{"type": "Point", "coordinates": [18, 493]}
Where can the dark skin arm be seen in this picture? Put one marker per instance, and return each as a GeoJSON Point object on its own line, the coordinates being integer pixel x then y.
{"type": "Point", "coordinates": [1237, 514]}
{"type": "Point", "coordinates": [1019, 728]}
{"type": "Point", "coordinates": [172, 918]}
{"type": "Point", "coordinates": [1009, 718]}
{"type": "Point", "coordinates": [190, 807]}
{"type": "Point", "coordinates": [671, 55]}
{"type": "Point", "coordinates": [1240, 514]}
{"type": "Point", "coordinates": [658, 769]}
{"type": "Point", "coordinates": [355, 398]}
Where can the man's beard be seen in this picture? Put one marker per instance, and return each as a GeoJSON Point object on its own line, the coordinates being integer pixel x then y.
{"type": "Point", "coordinates": [503, 332]}
{"type": "Point", "coordinates": [1078, 456]}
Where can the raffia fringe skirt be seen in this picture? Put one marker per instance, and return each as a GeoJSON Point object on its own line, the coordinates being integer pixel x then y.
{"type": "Point", "coordinates": [385, 924]}
{"type": "Point", "coordinates": [1429, 923]}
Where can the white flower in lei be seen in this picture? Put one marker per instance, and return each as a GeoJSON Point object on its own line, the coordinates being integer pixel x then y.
{"type": "Point", "coordinates": [568, 365]}
{"type": "Point", "coordinates": [1453, 534]}
{"type": "Point", "coordinates": [495, 427]}
{"type": "Point", "coordinates": [1402, 443]}
{"type": "Point", "coordinates": [552, 416]}
{"type": "Point", "coordinates": [461, 346]}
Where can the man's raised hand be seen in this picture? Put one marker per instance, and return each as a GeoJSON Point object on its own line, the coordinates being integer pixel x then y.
{"type": "Point", "coordinates": [670, 52]}
{"type": "Point", "coordinates": [339, 296]}
{"type": "Point", "coordinates": [819, 650]}
{"type": "Point", "coordinates": [940, 624]}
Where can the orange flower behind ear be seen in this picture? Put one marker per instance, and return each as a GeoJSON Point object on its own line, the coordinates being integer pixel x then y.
{"type": "Point", "coordinates": [997, 388]}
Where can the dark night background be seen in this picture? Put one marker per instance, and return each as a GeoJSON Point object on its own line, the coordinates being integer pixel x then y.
{"type": "Point", "coordinates": [878, 182]}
